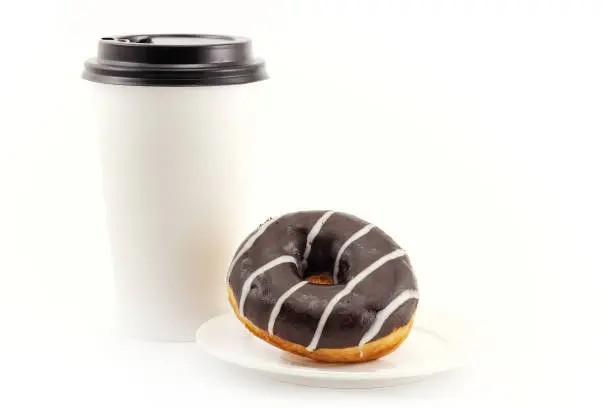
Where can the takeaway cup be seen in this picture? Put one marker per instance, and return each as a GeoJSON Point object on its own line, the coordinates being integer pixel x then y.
{"type": "Point", "coordinates": [175, 116]}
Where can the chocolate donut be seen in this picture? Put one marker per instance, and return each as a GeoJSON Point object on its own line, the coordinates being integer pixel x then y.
{"type": "Point", "coordinates": [324, 284]}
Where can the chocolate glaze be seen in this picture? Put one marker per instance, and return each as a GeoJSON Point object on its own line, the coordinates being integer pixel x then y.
{"type": "Point", "coordinates": [300, 314]}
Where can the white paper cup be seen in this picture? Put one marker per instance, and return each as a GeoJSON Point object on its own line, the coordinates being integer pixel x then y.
{"type": "Point", "coordinates": [175, 122]}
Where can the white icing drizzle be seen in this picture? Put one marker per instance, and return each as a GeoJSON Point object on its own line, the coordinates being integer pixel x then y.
{"type": "Point", "coordinates": [383, 315]}
{"type": "Point", "coordinates": [313, 234]}
{"type": "Point", "coordinates": [348, 242]}
{"type": "Point", "coordinates": [249, 243]}
{"type": "Point", "coordinates": [347, 289]}
{"type": "Point", "coordinates": [279, 304]}
{"type": "Point", "coordinates": [247, 283]}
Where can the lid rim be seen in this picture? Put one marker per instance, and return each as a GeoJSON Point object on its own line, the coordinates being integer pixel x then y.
{"type": "Point", "coordinates": [234, 39]}
{"type": "Point", "coordinates": [172, 82]}
{"type": "Point", "coordinates": [205, 63]}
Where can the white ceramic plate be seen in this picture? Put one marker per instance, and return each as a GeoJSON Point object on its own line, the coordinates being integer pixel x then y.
{"type": "Point", "coordinates": [436, 344]}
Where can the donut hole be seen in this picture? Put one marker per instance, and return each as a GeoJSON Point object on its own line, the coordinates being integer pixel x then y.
{"type": "Point", "coordinates": [318, 269]}
{"type": "Point", "coordinates": [325, 277]}
{"type": "Point", "coordinates": [320, 264]}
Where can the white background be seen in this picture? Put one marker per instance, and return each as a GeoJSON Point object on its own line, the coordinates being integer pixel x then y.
{"type": "Point", "coordinates": [475, 133]}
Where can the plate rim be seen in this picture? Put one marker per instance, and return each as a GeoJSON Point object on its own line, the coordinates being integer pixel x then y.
{"type": "Point", "coordinates": [457, 356]}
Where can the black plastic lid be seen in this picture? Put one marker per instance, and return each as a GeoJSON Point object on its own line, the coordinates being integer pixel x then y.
{"type": "Point", "coordinates": [174, 60]}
